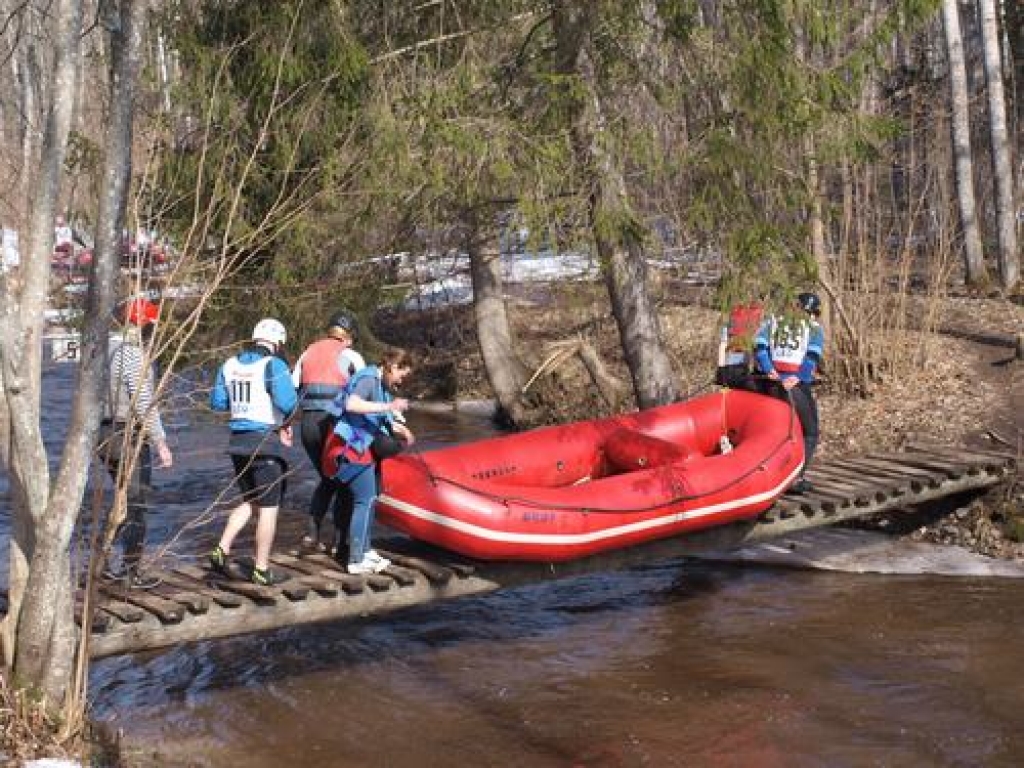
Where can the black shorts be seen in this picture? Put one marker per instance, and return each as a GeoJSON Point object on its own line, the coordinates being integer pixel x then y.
{"type": "Point", "coordinates": [261, 479]}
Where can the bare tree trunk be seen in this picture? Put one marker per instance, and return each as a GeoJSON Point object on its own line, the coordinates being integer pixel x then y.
{"type": "Point", "coordinates": [34, 627]}
{"type": "Point", "coordinates": [974, 260]}
{"type": "Point", "coordinates": [1002, 165]}
{"type": "Point", "coordinates": [617, 232]}
{"type": "Point", "coordinates": [46, 638]}
{"type": "Point", "coordinates": [505, 370]}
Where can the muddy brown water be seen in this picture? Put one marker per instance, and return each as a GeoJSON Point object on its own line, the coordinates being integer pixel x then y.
{"type": "Point", "coordinates": [674, 664]}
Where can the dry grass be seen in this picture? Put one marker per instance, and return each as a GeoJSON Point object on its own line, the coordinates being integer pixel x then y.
{"type": "Point", "coordinates": [28, 731]}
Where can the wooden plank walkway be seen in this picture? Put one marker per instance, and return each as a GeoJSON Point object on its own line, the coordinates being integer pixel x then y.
{"type": "Point", "coordinates": [192, 604]}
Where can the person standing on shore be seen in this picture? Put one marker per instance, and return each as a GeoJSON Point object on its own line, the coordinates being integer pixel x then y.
{"type": "Point", "coordinates": [320, 374]}
{"type": "Point", "coordinates": [130, 413]}
{"type": "Point", "coordinates": [736, 344]}
{"type": "Point", "coordinates": [788, 351]}
{"type": "Point", "coordinates": [256, 387]}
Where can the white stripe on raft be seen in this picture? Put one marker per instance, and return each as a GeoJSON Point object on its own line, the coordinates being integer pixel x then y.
{"type": "Point", "coordinates": [553, 539]}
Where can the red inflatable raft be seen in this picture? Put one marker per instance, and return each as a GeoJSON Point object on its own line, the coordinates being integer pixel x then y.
{"type": "Point", "coordinates": [569, 491]}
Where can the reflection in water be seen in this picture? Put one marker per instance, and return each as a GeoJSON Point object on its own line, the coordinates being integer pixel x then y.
{"type": "Point", "coordinates": [674, 664]}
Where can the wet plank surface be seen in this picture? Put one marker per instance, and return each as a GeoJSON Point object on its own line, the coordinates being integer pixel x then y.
{"type": "Point", "coordinates": [193, 604]}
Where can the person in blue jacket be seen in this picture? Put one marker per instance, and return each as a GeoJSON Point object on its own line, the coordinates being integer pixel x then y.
{"type": "Point", "coordinates": [256, 387]}
{"type": "Point", "coordinates": [369, 428]}
{"type": "Point", "coordinates": [788, 351]}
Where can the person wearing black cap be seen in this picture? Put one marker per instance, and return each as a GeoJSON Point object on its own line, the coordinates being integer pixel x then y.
{"type": "Point", "coordinates": [320, 374]}
{"type": "Point", "coordinates": [788, 351]}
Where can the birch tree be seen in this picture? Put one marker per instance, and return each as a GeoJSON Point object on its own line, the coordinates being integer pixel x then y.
{"type": "Point", "coordinates": [960, 129]}
{"type": "Point", "coordinates": [40, 633]}
{"type": "Point", "coordinates": [999, 144]}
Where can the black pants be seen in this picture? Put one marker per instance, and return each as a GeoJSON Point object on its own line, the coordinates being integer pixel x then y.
{"type": "Point", "coordinates": [114, 450]}
{"type": "Point", "coordinates": [806, 408]}
{"type": "Point", "coordinates": [316, 425]}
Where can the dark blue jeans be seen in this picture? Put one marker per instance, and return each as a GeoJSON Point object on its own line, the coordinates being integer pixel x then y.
{"type": "Point", "coordinates": [361, 480]}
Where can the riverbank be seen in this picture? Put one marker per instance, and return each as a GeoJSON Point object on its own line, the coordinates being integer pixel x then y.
{"type": "Point", "coordinates": [947, 386]}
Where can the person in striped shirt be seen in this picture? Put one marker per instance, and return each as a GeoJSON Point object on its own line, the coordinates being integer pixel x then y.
{"type": "Point", "coordinates": [131, 414]}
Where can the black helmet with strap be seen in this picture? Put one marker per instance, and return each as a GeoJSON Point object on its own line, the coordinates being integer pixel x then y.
{"type": "Point", "coordinates": [344, 321]}
{"type": "Point", "coordinates": [810, 303]}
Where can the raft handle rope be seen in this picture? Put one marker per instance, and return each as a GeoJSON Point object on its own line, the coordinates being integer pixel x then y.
{"type": "Point", "coordinates": [435, 479]}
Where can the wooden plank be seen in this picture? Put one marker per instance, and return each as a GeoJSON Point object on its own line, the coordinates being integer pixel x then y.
{"type": "Point", "coordinates": [323, 561]}
{"type": "Point", "coordinates": [167, 611]}
{"type": "Point", "coordinates": [100, 621]}
{"type": "Point", "coordinates": [404, 577]}
{"type": "Point", "coordinates": [128, 614]}
{"type": "Point", "coordinates": [861, 475]}
{"type": "Point", "coordinates": [926, 476]}
{"type": "Point", "coordinates": [350, 585]}
{"type": "Point", "coordinates": [812, 504]}
{"type": "Point", "coordinates": [332, 569]}
{"type": "Point", "coordinates": [851, 497]}
{"type": "Point", "coordinates": [989, 460]}
{"type": "Point", "coordinates": [1001, 454]}
{"type": "Point", "coordinates": [906, 480]}
{"type": "Point", "coordinates": [193, 602]}
{"type": "Point", "coordinates": [378, 582]}
{"type": "Point", "coordinates": [286, 586]}
{"type": "Point", "coordinates": [259, 595]}
{"type": "Point", "coordinates": [221, 598]}
{"type": "Point", "coordinates": [878, 488]}
{"type": "Point", "coordinates": [435, 574]}
{"type": "Point", "coordinates": [920, 461]}
{"type": "Point", "coordinates": [307, 574]}
{"type": "Point", "coordinates": [838, 489]}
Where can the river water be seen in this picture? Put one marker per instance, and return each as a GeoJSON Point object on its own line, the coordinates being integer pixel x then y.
{"type": "Point", "coordinates": [673, 664]}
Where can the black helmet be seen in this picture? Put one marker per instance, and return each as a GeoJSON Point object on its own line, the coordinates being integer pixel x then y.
{"type": "Point", "coordinates": [810, 303]}
{"type": "Point", "coordinates": [344, 321]}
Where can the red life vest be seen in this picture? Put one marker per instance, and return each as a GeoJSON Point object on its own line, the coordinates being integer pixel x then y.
{"type": "Point", "coordinates": [321, 376]}
{"type": "Point", "coordinates": [335, 450]}
{"type": "Point", "coordinates": [744, 320]}
{"type": "Point", "coordinates": [320, 363]}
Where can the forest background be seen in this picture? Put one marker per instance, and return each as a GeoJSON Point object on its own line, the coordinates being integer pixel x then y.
{"type": "Point", "coordinates": [293, 158]}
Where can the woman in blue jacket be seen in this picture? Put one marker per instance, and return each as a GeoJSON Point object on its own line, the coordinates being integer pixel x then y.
{"type": "Point", "coordinates": [368, 414]}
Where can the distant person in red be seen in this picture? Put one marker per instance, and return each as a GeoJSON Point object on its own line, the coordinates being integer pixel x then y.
{"type": "Point", "coordinates": [63, 237]}
{"type": "Point", "coordinates": [130, 413]}
{"type": "Point", "coordinates": [736, 346]}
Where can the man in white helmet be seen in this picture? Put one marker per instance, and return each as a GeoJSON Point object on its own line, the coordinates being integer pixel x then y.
{"type": "Point", "coordinates": [256, 387]}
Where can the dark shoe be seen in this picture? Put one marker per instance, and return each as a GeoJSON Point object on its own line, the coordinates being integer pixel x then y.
{"type": "Point", "coordinates": [340, 553]}
{"type": "Point", "coordinates": [112, 575]}
{"type": "Point", "coordinates": [220, 561]}
{"type": "Point", "coordinates": [143, 580]}
{"type": "Point", "coordinates": [800, 487]}
{"type": "Point", "coordinates": [311, 546]}
{"type": "Point", "coordinates": [265, 577]}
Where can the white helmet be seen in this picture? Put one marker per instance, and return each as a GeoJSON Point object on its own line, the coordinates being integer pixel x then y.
{"type": "Point", "coordinates": [270, 330]}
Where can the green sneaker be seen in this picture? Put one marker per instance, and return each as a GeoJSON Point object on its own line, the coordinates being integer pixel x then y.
{"type": "Point", "coordinates": [219, 560]}
{"type": "Point", "coordinates": [265, 577]}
